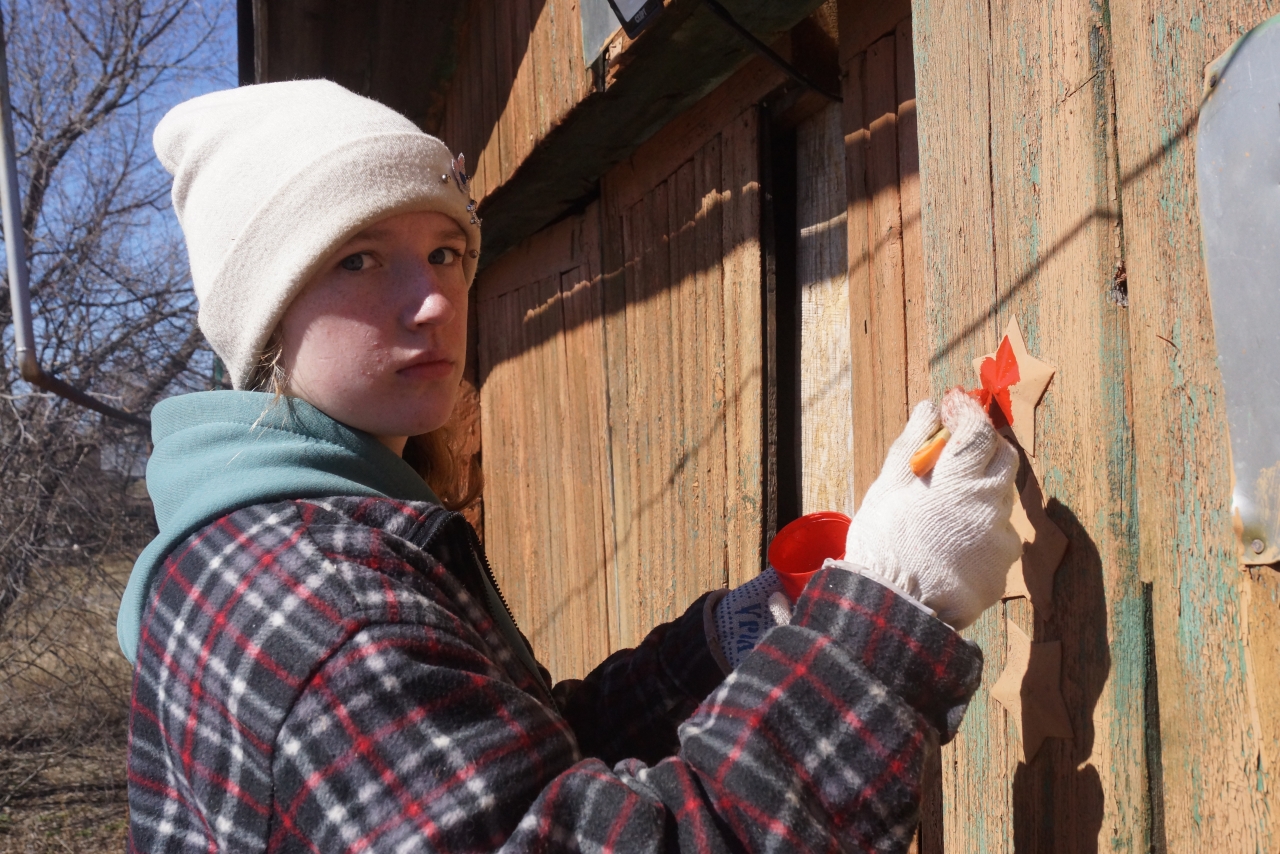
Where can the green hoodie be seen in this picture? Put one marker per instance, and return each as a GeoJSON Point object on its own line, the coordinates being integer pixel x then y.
{"type": "Point", "coordinates": [219, 451]}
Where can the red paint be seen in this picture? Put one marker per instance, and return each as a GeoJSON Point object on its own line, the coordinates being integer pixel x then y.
{"type": "Point", "coordinates": [997, 376]}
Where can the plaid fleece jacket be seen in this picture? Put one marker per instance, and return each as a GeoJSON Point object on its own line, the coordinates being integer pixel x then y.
{"type": "Point", "coordinates": [322, 676]}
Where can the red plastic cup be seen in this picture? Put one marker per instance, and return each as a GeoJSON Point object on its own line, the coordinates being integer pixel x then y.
{"type": "Point", "coordinates": [799, 549]}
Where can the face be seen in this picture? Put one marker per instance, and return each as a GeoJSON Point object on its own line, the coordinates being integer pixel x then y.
{"type": "Point", "coordinates": [378, 338]}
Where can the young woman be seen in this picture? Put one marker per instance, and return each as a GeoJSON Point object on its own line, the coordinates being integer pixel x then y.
{"type": "Point", "coordinates": [323, 660]}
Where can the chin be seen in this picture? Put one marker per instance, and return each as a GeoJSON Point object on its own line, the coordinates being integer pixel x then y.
{"type": "Point", "coordinates": [397, 413]}
{"type": "Point", "coordinates": [415, 420]}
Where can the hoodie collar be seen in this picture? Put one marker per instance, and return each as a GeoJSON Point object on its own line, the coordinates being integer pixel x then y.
{"type": "Point", "coordinates": [217, 452]}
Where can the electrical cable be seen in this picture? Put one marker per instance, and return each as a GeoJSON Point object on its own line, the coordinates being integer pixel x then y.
{"type": "Point", "coordinates": [767, 52]}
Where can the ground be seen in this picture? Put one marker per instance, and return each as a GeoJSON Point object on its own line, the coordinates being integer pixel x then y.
{"type": "Point", "coordinates": [64, 694]}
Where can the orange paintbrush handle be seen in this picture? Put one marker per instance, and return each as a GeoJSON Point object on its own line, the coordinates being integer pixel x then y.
{"type": "Point", "coordinates": [923, 460]}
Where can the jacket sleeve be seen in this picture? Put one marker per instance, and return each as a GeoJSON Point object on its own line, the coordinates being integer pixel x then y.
{"type": "Point", "coordinates": [632, 703]}
{"type": "Point", "coordinates": [407, 740]}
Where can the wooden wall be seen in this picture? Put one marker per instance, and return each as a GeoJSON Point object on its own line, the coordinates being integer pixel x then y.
{"type": "Point", "coordinates": [620, 362]}
{"type": "Point", "coordinates": [1056, 163]}
{"type": "Point", "coordinates": [889, 350]}
{"type": "Point", "coordinates": [519, 72]}
{"type": "Point", "coordinates": [1218, 697]}
{"type": "Point", "coordinates": [684, 365]}
{"type": "Point", "coordinates": [999, 160]}
{"type": "Point", "coordinates": [822, 279]}
{"type": "Point", "coordinates": [548, 521]}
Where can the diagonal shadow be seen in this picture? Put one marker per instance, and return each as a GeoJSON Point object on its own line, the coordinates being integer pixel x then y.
{"type": "Point", "coordinates": [1098, 213]}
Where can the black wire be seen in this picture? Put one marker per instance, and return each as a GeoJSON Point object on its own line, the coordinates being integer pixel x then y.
{"type": "Point", "coordinates": [764, 50]}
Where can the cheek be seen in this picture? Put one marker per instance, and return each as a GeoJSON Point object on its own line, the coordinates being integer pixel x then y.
{"type": "Point", "coordinates": [331, 337]}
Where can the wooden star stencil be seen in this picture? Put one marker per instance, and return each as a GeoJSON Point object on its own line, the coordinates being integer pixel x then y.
{"type": "Point", "coordinates": [1029, 690]}
{"type": "Point", "coordinates": [1043, 547]}
{"type": "Point", "coordinates": [1024, 394]}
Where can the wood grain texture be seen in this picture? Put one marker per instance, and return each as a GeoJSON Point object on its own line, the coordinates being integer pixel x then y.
{"type": "Point", "coordinates": [866, 412]}
{"type": "Point", "coordinates": [1218, 792]}
{"type": "Point", "coordinates": [683, 438]}
{"type": "Point", "coordinates": [739, 197]}
{"type": "Point", "coordinates": [888, 327]}
{"type": "Point", "coordinates": [915, 318]}
{"type": "Point", "coordinates": [398, 52]}
{"type": "Point", "coordinates": [582, 132]}
{"type": "Point", "coordinates": [862, 22]}
{"type": "Point", "coordinates": [1262, 604]}
{"type": "Point", "coordinates": [547, 510]}
{"type": "Point", "coordinates": [826, 384]}
{"type": "Point", "coordinates": [1056, 220]}
{"type": "Point", "coordinates": [952, 49]}
{"type": "Point", "coordinates": [888, 301]}
{"type": "Point", "coordinates": [518, 73]}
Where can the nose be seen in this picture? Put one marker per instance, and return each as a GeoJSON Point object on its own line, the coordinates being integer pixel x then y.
{"type": "Point", "coordinates": [426, 303]}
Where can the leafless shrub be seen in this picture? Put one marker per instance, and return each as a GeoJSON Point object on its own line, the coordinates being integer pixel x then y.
{"type": "Point", "coordinates": [114, 315]}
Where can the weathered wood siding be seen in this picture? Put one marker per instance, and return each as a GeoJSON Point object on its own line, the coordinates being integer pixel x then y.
{"type": "Point", "coordinates": [1216, 674]}
{"type": "Point", "coordinates": [826, 382]}
{"type": "Point", "coordinates": [548, 523]}
{"type": "Point", "coordinates": [684, 351]}
{"type": "Point", "coordinates": [1000, 159]}
{"type": "Point", "coordinates": [1056, 150]}
{"type": "Point", "coordinates": [519, 72]}
{"type": "Point", "coordinates": [620, 360]}
{"type": "Point", "coordinates": [889, 367]}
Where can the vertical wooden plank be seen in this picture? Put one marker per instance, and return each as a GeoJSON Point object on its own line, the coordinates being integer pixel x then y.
{"type": "Point", "coordinates": [826, 384]}
{"type": "Point", "coordinates": [542, 449]}
{"type": "Point", "coordinates": [952, 49]}
{"type": "Point", "coordinates": [542, 361]}
{"type": "Point", "coordinates": [711, 328]}
{"type": "Point", "coordinates": [1262, 600]}
{"type": "Point", "coordinates": [505, 57]}
{"type": "Point", "coordinates": [523, 101]}
{"type": "Point", "coordinates": [918, 337]}
{"type": "Point", "coordinates": [1056, 217]}
{"type": "Point", "coordinates": [888, 320]}
{"type": "Point", "coordinates": [632, 442]}
{"type": "Point", "coordinates": [618, 247]}
{"type": "Point", "coordinates": [544, 69]}
{"type": "Point", "coordinates": [484, 65]}
{"type": "Point", "coordinates": [866, 420]}
{"type": "Point", "coordinates": [693, 398]}
{"type": "Point", "coordinates": [655, 364]}
{"type": "Point", "coordinates": [1218, 793]}
{"type": "Point", "coordinates": [672, 304]}
{"type": "Point", "coordinates": [916, 318]}
{"type": "Point", "coordinates": [576, 77]}
{"type": "Point", "coordinates": [499, 373]}
{"type": "Point", "coordinates": [744, 350]}
{"type": "Point", "coordinates": [649, 417]}
{"type": "Point", "coordinates": [584, 632]}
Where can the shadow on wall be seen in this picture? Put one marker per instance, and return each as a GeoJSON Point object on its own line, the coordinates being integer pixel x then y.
{"type": "Point", "coordinates": [1058, 798]}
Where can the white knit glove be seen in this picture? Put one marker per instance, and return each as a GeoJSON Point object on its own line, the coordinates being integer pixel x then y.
{"type": "Point", "coordinates": [945, 539]}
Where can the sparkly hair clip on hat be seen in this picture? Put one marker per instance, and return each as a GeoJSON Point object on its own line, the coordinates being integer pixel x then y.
{"type": "Point", "coordinates": [269, 180]}
{"type": "Point", "coordinates": [458, 167]}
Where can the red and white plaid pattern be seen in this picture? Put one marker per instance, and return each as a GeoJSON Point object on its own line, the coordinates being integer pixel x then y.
{"type": "Point", "coordinates": [310, 680]}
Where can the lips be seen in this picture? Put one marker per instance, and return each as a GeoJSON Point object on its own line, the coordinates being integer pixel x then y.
{"type": "Point", "coordinates": [427, 367]}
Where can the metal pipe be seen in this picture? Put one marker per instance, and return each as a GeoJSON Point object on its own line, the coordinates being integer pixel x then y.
{"type": "Point", "coordinates": [16, 254]}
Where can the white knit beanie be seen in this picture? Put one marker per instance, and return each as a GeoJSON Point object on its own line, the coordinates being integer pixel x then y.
{"type": "Point", "coordinates": [269, 180]}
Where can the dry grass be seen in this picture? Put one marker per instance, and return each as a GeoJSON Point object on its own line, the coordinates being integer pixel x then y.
{"type": "Point", "coordinates": [64, 695]}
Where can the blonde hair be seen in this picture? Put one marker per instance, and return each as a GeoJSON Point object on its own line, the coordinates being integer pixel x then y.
{"type": "Point", "coordinates": [432, 455]}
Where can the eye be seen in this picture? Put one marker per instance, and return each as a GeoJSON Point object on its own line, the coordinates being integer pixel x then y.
{"type": "Point", "coordinates": [443, 255]}
{"type": "Point", "coordinates": [355, 263]}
